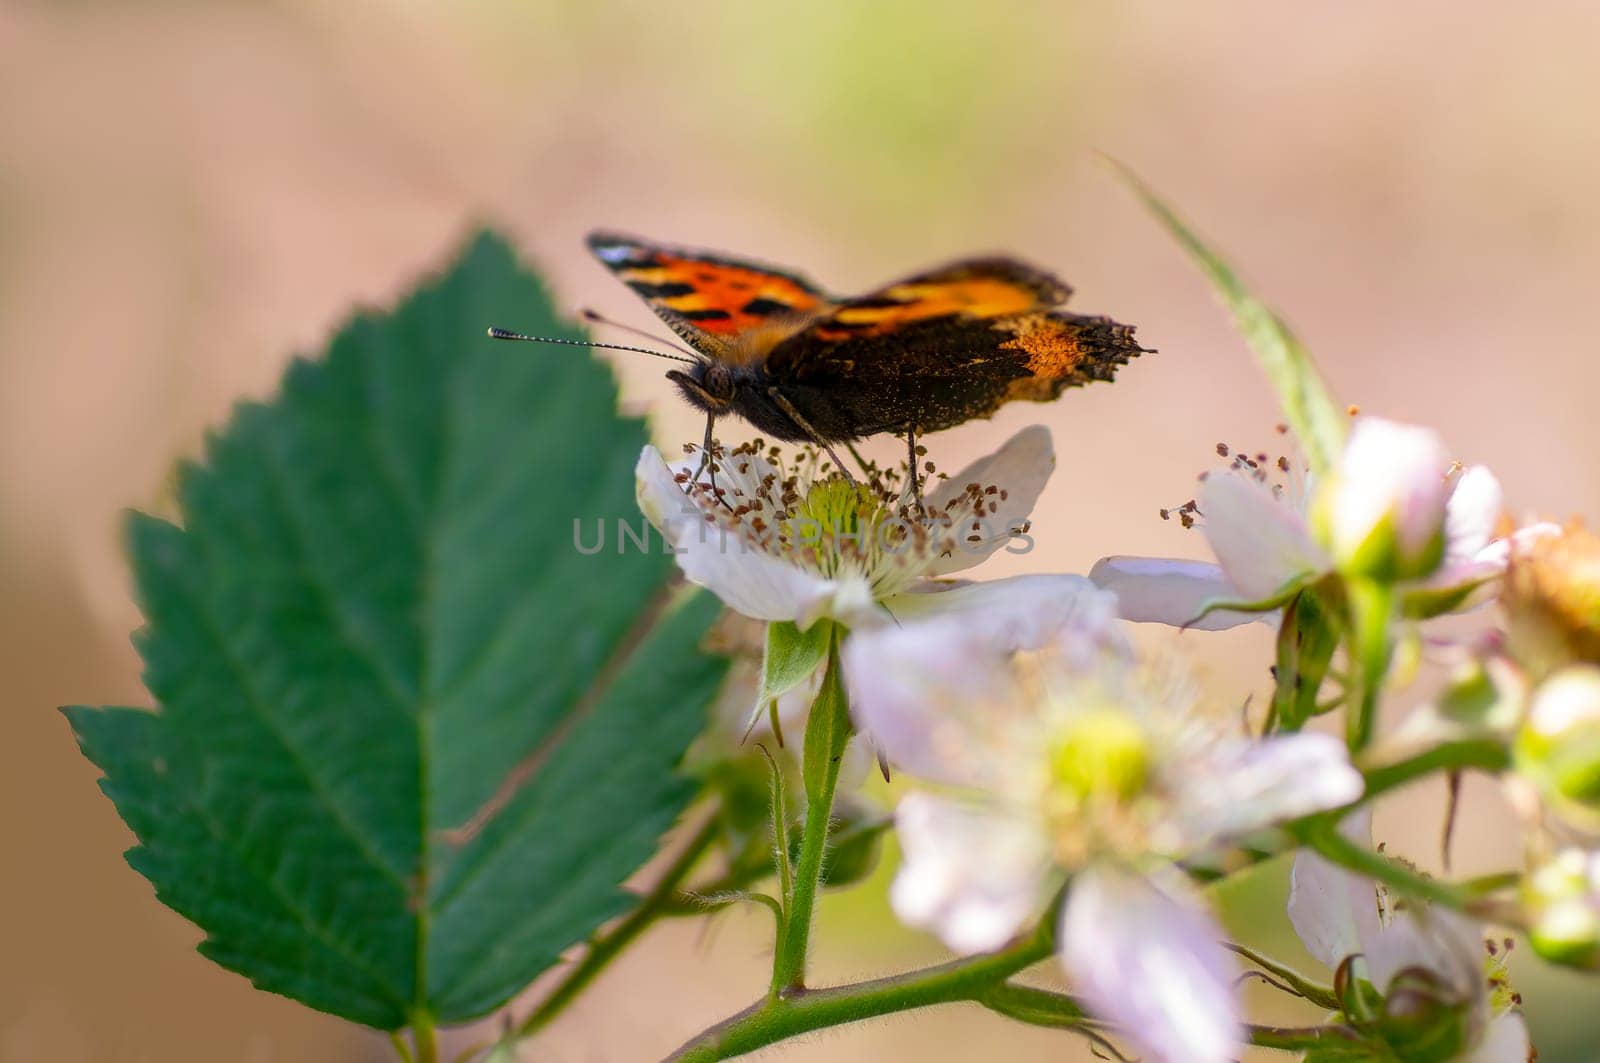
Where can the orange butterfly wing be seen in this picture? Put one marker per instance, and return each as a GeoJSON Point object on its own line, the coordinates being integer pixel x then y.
{"type": "Point", "coordinates": [707, 299]}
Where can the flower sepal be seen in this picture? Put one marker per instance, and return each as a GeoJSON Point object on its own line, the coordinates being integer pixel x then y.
{"type": "Point", "coordinates": [1423, 1018]}
{"type": "Point", "coordinates": [1313, 625]}
{"type": "Point", "coordinates": [790, 659]}
{"type": "Point", "coordinates": [1270, 604]}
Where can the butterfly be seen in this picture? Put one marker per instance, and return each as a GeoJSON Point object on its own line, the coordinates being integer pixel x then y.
{"type": "Point", "coordinates": [921, 354]}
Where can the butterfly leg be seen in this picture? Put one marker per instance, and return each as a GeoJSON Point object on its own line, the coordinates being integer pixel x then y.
{"type": "Point", "coordinates": [805, 426]}
{"type": "Point", "coordinates": [707, 464]}
{"type": "Point", "coordinates": [861, 463]}
{"type": "Point", "coordinates": [911, 465]}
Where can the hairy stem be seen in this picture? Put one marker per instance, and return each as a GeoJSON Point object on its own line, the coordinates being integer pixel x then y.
{"type": "Point", "coordinates": [827, 733]}
{"type": "Point", "coordinates": [776, 1019]}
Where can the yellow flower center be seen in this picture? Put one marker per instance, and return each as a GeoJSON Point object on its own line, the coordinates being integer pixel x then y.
{"type": "Point", "coordinates": [840, 509]}
{"type": "Point", "coordinates": [1103, 754]}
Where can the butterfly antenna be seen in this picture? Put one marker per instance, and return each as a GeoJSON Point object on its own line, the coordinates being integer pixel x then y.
{"type": "Point", "coordinates": [597, 318]}
{"type": "Point", "coordinates": [504, 334]}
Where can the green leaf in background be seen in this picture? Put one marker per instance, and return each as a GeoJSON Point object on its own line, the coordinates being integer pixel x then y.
{"type": "Point", "coordinates": [410, 739]}
{"type": "Point", "coordinates": [1317, 422]}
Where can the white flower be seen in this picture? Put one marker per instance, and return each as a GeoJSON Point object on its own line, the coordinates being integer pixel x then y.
{"type": "Point", "coordinates": [797, 544]}
{"type": "Point", "coordinates": [1263, 538]}
{"type": "Point", "coordinates": [1061, 752]}
{"type": "Point", "coordinates": [1407, 951]}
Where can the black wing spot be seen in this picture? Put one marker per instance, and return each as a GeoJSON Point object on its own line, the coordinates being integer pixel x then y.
{"type": "Point", "coordinates": [669, 290]}
{"type": "Point", "coordinates": [764, 307]}
{"type": "Point", "coordinates": [703, 315]}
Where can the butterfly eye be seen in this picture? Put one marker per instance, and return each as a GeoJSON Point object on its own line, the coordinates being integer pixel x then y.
{"type": "Point", "coordinates": [718, 382]}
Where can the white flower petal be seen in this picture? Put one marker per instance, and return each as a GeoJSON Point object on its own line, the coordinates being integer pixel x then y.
{"type": "Point", "coordinates": [1021, 467]}
{"type": "Point", "coordinates": [1505, 1040]}
{"type": "Point", "coordinates": [924, 693]}
{"type": "Point", "coordinates": [747, 580]}
{"type": "Point", "coordinates": [1334, 912]}
{"type": "Point", "coordinates": [1160, 590]}
{"type": "Point", "coordinates": [1472, 513]}
{"type": "Point", "coordinates": [972, 876]}
{"type": "Point", "coordinates": [1435, 939]}
{"type": "Point", "coordinates": [1260, 540]}
{"type": "Point", "coordinates": [935, 691]}
{"type": "Point", "coordinates": [1240, 786]}
{"type": "Point", "coordinates": [1149, 958]}
{"type": "Point", "coordinates": [1021, 612]}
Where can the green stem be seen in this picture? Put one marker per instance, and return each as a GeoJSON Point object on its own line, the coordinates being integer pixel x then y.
{"type": "Point", "coordinates": [401, 1049]}
{"type": "Point", "coordinates": [827, 733]}
{"type": "Point", "coordinates": [606, 946]}
{"type": "Point", "coordinates": [1371, 611]}
{"type": "Point", "coordinates": [1042, 1007]}
{"type": "Point", "coordinates": [424, 1039]}
{"type": "Point", "coordinates": [1323, 835]}
{"type": "Point", "coordinates": [776, 1019]}
{"type": "Point", "coordinates": [1487, 754]}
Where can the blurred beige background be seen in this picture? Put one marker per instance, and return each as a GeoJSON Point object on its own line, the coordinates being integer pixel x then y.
{"type": "Point", "coordinates": [190, 192]}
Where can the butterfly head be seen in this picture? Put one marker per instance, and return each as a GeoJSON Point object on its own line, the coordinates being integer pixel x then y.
{"type": "Point", "coordinates": [707, 385]}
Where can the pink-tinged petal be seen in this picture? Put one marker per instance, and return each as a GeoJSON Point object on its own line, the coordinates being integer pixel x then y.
{"type": "Point", "coordinates": [1260, 540]}
{"type": "Point", "coordinates": [969, 874]}
{"type": "Point", "coordinates": [1149, 958]}
{"type": "Point", "coordinates": [1505, 1040]}
{"type": "Point", "coordinates": [1463, 584]}
{"type": "Point", "coordinates": [747, 580]}
{"type": "Point", "coordinates": [1435, 939]}
{"type": "Point", "coordinates": [1334, 912]}
{"type": "Point", "coordinates": [1389, 472]}
{"type": "Point", "coordinates": [1239, 787]}
{"type": "Point", "coordinates": [936, 691]}
{"type": "Point", "coordinates": [929, 695]}
{"type": "Point", "coordinates": [1158, 590]}
{"type": "Point", "coordinates": [1021, 468]}
{"type": "Point", "coordinates": [1472, 513]}
{"type": "Point", "coordinates": [1022, 612]}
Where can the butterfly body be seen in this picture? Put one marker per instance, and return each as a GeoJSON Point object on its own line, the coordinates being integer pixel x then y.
{"type": "Point", "coordinates": [923, 354]}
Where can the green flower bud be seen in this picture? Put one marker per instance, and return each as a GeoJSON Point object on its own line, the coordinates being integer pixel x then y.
{"type": "Point", "coordinates": [1563, 899]}
{"type": "Point", "coordinates": [1381, 511]}
{"type": "Point", "coordinates": [1558, 746]}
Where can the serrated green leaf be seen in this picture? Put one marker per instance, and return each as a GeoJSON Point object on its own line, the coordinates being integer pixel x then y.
{"type": "Point", "coordinates": [374, 628]}
{"type": "Point", "coordinates": [1307, 405]}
